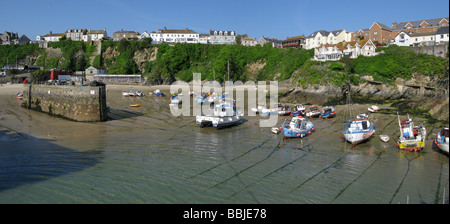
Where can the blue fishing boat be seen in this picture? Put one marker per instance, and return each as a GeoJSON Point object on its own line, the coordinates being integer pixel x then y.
{"type": "Point", "coordinates": [299, 110]}
{"type": "Point", "coordinates": [201, 98]}
{"type": "Point", "coordinates": [176, 99]}
{"type": "Point", "coordinates": [442, 140]}
{"type": "Point", "coordinates": [157, 92]}
{"type": "Point", "coordinates": [298, 127]}
{"type": "Point", "coordinates": [328, 112]}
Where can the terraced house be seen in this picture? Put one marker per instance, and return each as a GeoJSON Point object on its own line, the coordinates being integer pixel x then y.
{"type": "Point", "coordinates": [124, 34]}
{"type": "Point", "coordinates": [174, 36]}
{"type": "Point", "coordinates": [353, 49]}
{"type": "Point", "coordinates": [222, 37]}
{"type": "Point", "coordinates": [324, 37]}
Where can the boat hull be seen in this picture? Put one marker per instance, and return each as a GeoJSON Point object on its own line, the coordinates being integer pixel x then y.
{"type": "Point", "coordinates": [357, 138]}
{"type": "Point", "coordinates": [298, 133]}
{"type": "Point", "coordinates": [411, 145]}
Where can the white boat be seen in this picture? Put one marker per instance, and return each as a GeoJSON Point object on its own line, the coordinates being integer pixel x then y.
{"type": "Point", "coordinates": [358, 130]}
{"type": "Point", "coordinates": [314, 111]}
{"type": "Point", "coordinates": [362, 116]}
{"type": "Point", "coordinates": [442, 140]}
{"type": "Point", "coordinates": [266, 111]}
{"type": "Point", "coordinates": [176, 99]}
{"type": "Point", "coordinates": [384, 138]}
{"type": "Point", "coordinates": [373, 108]}
{"type": "Point", "coordinates": [139, 93]}
{"type": "Point", "coordinates": [125, 93]}
{"type": "Point", "coordinates": [412, 138]}
{"type": "Point", "coordinates": [258, 108]}
{"type": "Point", "coordinates": [299, 110]}
{"type": "Point", "coordinates": [224, 115]}
{"type": "Point", "coordinates": [157, 92]}
{"type": "Point", "coordinates": [275, 130]}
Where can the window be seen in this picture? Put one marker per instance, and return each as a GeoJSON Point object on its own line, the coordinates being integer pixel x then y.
{"type": "Point", "coordinates": [375, 33]}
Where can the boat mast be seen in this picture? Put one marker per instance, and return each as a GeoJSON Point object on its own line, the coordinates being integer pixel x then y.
{"type": "Point", "coordinates": [399, 125]}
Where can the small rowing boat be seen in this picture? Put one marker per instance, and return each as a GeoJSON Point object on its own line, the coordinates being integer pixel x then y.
{"type": "Point", "coordinates": [135, 105]}
{"type": "Point", "coordinates": [384, 138]}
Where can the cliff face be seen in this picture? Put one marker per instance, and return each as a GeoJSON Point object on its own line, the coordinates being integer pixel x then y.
{"type": "Point", "coordinates": [421, 92]}
{"type": "Point", "coordinates": [141, 57]}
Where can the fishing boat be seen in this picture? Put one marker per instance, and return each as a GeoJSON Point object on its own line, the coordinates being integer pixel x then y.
{"type": "Point", "coordinates": [224, 115]}
{"type": "Point", "coordinates": [362, 116]}
{"type": "Point", "coordinates": [373, 108]}
{"type": "Point", "coordinates": [298, 127]}
{"type": "Point", "coordinates": [19, 96]}
{"type": "Point", "coordinates": [328, 112]}
{"type": "Point", "coordinates": [357, 130]}
{"type": "Point", "coordinates": [201, 98]}
{"type": "Point", "coordinates": [135, 105]}
{"type": "Point", "coordinates": [299, 110]}
{"type": "Point", "coordinates": [412, 138]}
{"type": "Point", "coordinates": [258, 108]}
{"type": "Point", "coordinates": [176, 99]}
{"type": "Point", "coordinates": [283, 110]}
{"type": "Point", "coordinates": [139, 93]}
{"type": "Point", "coordinates": [158, 92]}
{"type": "Point", "coordinates": [384, 138]}
{"type": "Point", "coordinates": [266, 111]}
{"type": "Point", "coordinates": [314, 111]}
{"type": "Point", "coordinates": [442, 140]}
{"type": "Point", "coordinates": [125, 93]}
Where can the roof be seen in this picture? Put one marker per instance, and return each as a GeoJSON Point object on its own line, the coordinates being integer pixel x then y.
{"type": "Point", "coordinates": [96, 32]}
{"type": "Point", "coordinates": [442, 30]}
{"type": "Point", "coordinates": [76, 30]}
{"type": "Point", "coordinates": [422, 34]}
{"type": "Point", "coordinates": [383, 26]}
{"type": "Point", "coordinates": [322, 32]}
{"type": "Point", "coordinates": [124, 31]}
{"type": "Point", "coordinates": [344, 45]}
{"type": "Point", "coordinates": [416, 24]}
{"type": "Point", "coordinates": [54, 35]}
{"type": "Point", "coordinates": [185, 31]}
{"type": "Point", "coordinates": [295, 38]}
{"type": "Point", "coordinates": [211, 32]}
{"type": "Point", "coordinates": [336, 32]}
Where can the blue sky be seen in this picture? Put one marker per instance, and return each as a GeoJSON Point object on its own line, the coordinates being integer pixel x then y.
{"type": "Point", "coordinates": [278, 19]}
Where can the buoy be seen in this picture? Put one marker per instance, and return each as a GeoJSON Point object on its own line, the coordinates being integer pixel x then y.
{"type": "Point", "coordinates": [364, 135]}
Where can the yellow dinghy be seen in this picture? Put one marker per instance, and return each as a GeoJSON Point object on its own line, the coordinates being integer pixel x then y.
{"type": "Point", "coordinates": [135, 105]}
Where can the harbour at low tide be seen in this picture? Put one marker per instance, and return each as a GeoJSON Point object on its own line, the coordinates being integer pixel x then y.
{"type": "Point", "coordinates": [146, 155]}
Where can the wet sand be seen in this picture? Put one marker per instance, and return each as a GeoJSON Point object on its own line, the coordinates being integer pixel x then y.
{"type": "Point", "coordinates": [146, 155]}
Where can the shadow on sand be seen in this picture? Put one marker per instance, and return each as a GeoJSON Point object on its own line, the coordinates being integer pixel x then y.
{"type": "Point", "coordinates": [25, 159]}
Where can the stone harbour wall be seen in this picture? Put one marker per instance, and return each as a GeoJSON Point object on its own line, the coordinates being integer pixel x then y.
{"type": "Point", "coordinates": [78, 103]}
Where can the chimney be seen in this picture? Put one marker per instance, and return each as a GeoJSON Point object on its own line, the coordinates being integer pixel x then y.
{"type": "Point", "coordinates": [186, 29]}
{"type": "Point", "coordinates": [394, 25]}
{"type": "Point", "coordinates": [165, 29]}
{"type": "Point", "coordinates": [121, 30]}
{"type": "Point", "coordinates": [50, 32]}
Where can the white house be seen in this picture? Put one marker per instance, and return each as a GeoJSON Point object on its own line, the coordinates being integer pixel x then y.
{"type": "Point", "coordinates": [204, 38]}
{"type": "Point", "coordinates": [422, 39]}
{"type": "Point", "coordinates": [174, 36]}
{"type": "Point", "coordinates": [52, 37]}
{"type": "Point", "coordinates": [334, 52]}
{"type": "Point", "coordinates": [222, 37]}
{"type": "Point", "coordinates": [322, 37]}
{"type": "Point", "coordinates": [143, 35]}
{"type": "Point", "coordinates": [442, 35]}
{"type": "Point", "coordinates": [95, 35]}
{"type": "Point", "coordinates": [402, 39]}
